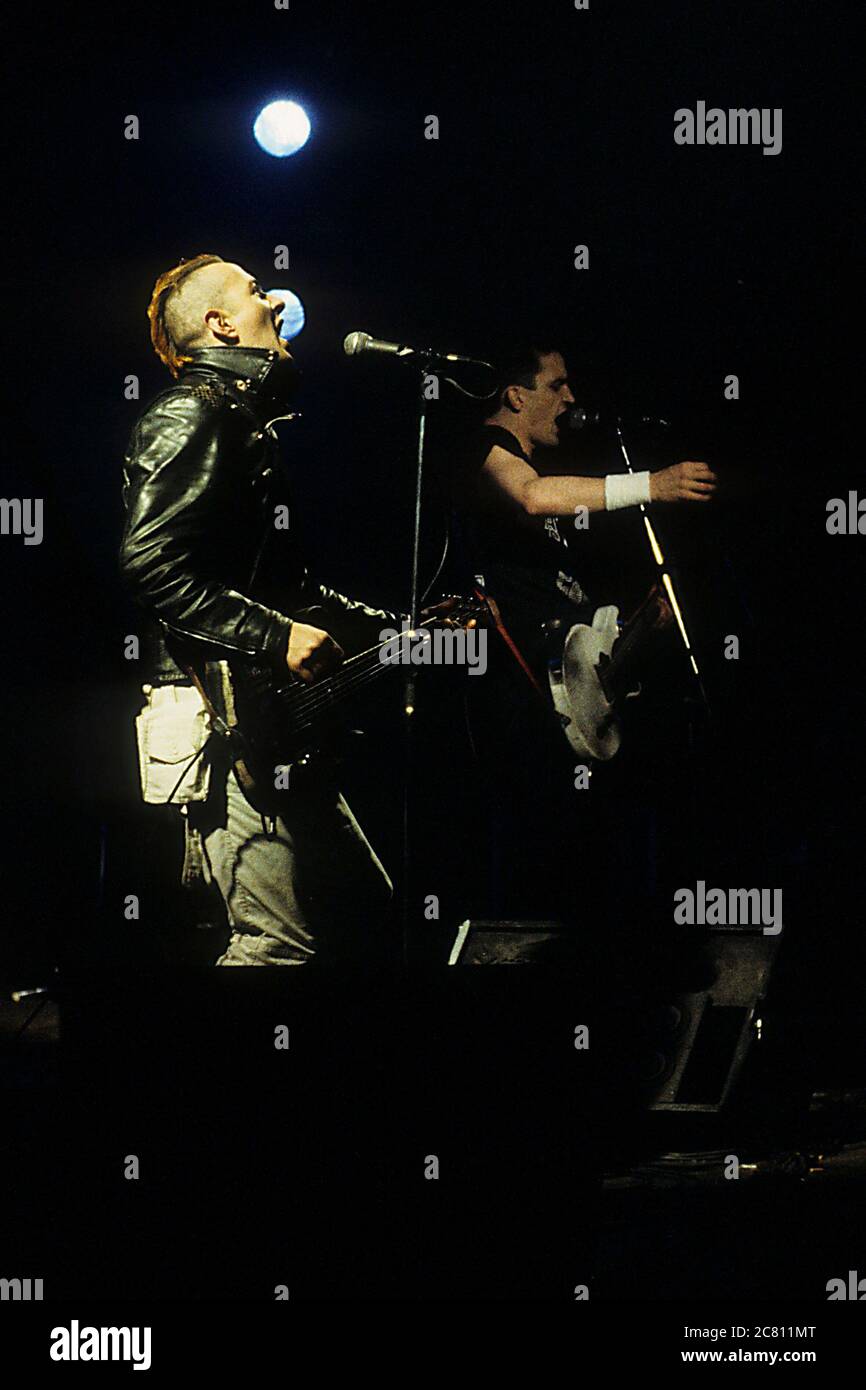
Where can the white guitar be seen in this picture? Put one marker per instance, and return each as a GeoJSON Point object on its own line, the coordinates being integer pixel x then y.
{"type": "Point", "coordinates": [596, 673]}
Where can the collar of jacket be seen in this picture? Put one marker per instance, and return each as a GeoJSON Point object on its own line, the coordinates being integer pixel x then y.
{"type": "Point", "coordinates": [252, 374]}
{"type": "Point", "coordinates": [259, 377]}
{"type": "Point", "coordinates": [247, 369]}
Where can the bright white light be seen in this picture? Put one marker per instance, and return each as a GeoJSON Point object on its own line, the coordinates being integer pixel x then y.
{"type": "Point", "coordinates": [292, 318]}
{"type": "Point", "coordinates": [282, 127]}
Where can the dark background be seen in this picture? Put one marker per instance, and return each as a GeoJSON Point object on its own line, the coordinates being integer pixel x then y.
{"type": "Point", "coordinates": [556, 128]}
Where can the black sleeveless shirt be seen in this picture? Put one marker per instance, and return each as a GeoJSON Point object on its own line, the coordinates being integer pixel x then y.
{"type": "Point", "coordinates": [526, 563]}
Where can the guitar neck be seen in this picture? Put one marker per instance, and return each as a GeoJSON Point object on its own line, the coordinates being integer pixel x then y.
{"type": "Point", "coordinates": [652, 613]}
{"type": "Point", "coordinates": [354, 675]}
{"type": "Point", "coordinates": [364, 666]}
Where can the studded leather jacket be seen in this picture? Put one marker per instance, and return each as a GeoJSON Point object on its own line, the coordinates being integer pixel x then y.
{"type": "Point", "coordinates": [209, 550]}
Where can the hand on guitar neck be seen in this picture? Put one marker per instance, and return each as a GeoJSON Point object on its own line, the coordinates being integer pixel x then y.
{"type": "Point", "coordinates": [441, 614]}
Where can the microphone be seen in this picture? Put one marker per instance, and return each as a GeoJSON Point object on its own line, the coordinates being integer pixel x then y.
{"type": "Point", "coordinates": [580, 417]}
{"type": "Point", "coordinates": [355, 343]}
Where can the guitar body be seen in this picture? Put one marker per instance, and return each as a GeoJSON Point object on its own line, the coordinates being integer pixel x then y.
{"type": "Point", "coordinates": [278, 724]}
{"type": "Point", "coordinates": [586, 714]}
{"type": "Point", "coordinates": [595, 674]}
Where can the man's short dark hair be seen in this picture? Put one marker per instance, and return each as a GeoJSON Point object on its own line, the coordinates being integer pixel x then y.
{"type": "Point", "coordinates": [518, 365]}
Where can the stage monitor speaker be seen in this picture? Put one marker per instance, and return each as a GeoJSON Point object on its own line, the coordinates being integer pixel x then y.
{"type": "Point", "coordinates": [511, 943]}
{"type": "Point", "coordinates": [699, 1042]}
{"type": "Point", "coordinates": [688, 1046]}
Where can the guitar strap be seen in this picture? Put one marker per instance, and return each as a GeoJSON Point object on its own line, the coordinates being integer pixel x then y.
{"type": "Point", "coordinates": [508, 639]}
{"type": "Point", "coordinates": [227, 728]}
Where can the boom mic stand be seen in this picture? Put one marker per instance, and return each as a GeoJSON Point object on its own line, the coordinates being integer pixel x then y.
{"type": "Point", "coordinates": [423, 361]}
{"type": "Point", "coordinates": [666, 579]}
{"type": "Point", "coordinates": [664, 575]}
{"type": "Point", "coordinates": [409, 678]}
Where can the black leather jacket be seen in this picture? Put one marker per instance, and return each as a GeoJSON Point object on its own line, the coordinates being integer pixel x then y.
{"type": "Point", "coordinates": [201, 551]}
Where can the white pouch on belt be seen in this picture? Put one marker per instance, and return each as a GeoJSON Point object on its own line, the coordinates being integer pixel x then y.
{"type": "Point", "coordinates": [171, 729]}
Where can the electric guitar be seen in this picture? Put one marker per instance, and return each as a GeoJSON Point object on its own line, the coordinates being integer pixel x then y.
{"type": "Point", "coordinates": [282, 722]}
{"type": "Point", "coordinates": [595, 673]}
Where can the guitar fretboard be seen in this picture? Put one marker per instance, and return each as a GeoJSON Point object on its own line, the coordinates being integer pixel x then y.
{"type": "Point", "coordinates": [303, 704]}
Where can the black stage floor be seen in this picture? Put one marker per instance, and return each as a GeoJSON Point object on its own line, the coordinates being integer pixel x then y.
{"type": "Point", "coordinates": [438, 1137]}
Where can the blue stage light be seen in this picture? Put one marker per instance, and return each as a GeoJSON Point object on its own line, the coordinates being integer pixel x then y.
{"type": "Point", "coordinates": [282, 127]}
{"type": "Point", "coordinates": [293, 317]}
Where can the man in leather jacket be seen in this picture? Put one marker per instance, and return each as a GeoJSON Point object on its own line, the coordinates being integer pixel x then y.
{"type": "Point", "coordinates": [207, 555]}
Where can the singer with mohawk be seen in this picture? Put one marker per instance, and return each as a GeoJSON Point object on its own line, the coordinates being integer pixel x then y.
{"type": "Point", "coordinates": [202, 557]}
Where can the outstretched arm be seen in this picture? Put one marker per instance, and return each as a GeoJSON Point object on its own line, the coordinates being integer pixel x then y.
{"type": "Point", "coordinates": [506, 476]}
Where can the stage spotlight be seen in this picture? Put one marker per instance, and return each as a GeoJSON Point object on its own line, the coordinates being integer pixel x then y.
{"type": "Point", "coordinates": [282, 127]}
{"type": "Point", "coordinates": [293, 317]}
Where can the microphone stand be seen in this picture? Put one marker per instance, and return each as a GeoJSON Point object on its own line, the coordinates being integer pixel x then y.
{"type": "Point", "coordinates": [666, 579]}
{"type": "Point", "coordinates": [421, 360]}
{"type": "Point", "coordinates": [664, 576]}
{"type": "Point", "coordinates": [409, 680]}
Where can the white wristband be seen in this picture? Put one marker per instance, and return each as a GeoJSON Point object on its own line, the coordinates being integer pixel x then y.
{"type": "Point", "coordinates": [626, 490]}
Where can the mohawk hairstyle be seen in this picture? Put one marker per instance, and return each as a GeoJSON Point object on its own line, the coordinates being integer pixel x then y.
{"type": "Point", "coordinates": [166, 287]}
